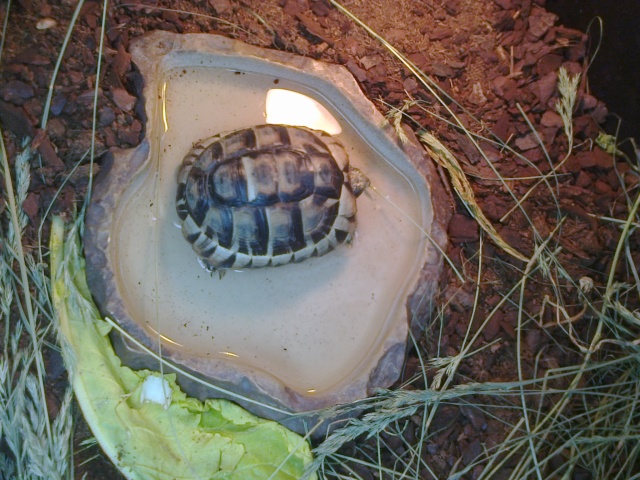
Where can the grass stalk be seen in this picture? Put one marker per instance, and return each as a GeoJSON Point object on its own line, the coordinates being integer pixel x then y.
{"type": "Point", "coordinates": [38, 447]}
{"type": "Point", "coordinates": [56, 68]}
{"type": "Point", "coordinates": [463, 188]}
{"type": "Point", "coordinates": [17, 227]}
{"type": "Point", "coordinates": [5, 23]}
{"type": "Point", "coordinates": [96, 90]}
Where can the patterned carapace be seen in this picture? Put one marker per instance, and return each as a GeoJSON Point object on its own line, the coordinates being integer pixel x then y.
{"type": "Point", "coordinates": [266, 196]}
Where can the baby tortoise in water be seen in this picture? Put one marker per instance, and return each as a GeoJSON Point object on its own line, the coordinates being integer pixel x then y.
{"type": "Point", "coordinates": [267, 196]}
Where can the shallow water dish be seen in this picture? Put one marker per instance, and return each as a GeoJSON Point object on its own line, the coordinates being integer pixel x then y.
{"type": "Point", "coordinates": [298, 337]}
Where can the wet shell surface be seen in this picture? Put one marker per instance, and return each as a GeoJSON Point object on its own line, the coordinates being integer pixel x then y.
{"type": "Point", "coordinates": [267, 196]}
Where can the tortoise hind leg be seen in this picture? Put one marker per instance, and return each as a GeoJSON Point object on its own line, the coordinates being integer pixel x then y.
{"type": "Point", "coordinates": [211, 268]}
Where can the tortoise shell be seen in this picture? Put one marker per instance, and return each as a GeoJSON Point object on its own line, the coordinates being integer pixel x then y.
{"type": "Point", "coordinates": [266, 196]}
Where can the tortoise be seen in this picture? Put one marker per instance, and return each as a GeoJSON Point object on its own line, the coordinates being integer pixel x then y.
{"type": "Point", "coordinates": [267, 196]}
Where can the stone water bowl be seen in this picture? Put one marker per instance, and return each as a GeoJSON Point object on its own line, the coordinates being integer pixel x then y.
{"type": "Point", "coordinates": [298, 337]}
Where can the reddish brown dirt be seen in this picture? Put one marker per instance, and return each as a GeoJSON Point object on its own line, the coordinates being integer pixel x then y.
{"type": "Point", "coordinates": [497, 58]}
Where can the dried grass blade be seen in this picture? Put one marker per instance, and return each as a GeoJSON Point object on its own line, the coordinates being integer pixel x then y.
{"type": "Point", "coordinates": [461, 185]}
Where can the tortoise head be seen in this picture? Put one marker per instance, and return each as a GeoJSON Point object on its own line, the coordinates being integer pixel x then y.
{"type": "Point", "coordinates": [358, 180]}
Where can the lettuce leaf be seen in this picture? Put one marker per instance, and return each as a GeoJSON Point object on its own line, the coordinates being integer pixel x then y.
{"type": "Point", "coordinates": [176, 438]}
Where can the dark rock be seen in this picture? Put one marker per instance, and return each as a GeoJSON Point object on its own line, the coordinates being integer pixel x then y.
{"type": "Point", "coordinates": [16, 120]}
{"type": "Point", "coordinates": [585, 127]}
{"type": "Point", "coordinates": [503, 128]}
{"type": "Point", "coordinates": [583, 179]}
{"type": "Point", "coordinates": [16, 92]}
{"type": "Point", "coordinates": [128, 136]}
{"type": "Point", "coordinates": [56, 128]}
{"type": "Point", "coordinates": [48, 153]}
{"type": "Point", "coordinates": [488, 56]}
{"type": "Point", "coordinates": [471, 452]}
{"type": "Point", "coordinates": [81, 175]}
{"type": "Point", "coordinates": [494, 207]}
{"type": "Point", "coordinates": [551, 119]}
{"type": "Point", "coordinates": [549, 63]}
{"type": "Point", "coordinates": [439, 69]}
{"type": "Point", "coordinates": [540, 22]}
{"type": "Point", "coordinates": [504, 87]}
{"type": "Point", "coordinates": [583, 160]}
{"type": "Point", "coordinates": [294, 7]}
{"type": "Point", "coordinates": [533, 339]}
{"type": "Point", "coordinates": [82, 142]}
{"type": "Point", "coordinates": [452, 7]}
{"type": "Point", "coordinates": [91, 20]}
{"type": "Point", "coordinates": [505, 22]}
{"type": "Point", "coordinates": [534, 155]}
{"type": "Point", "coordinates": [439, 15]}
{"type": "Point", "coordinates": [492, 328]}
{"type": "Point", "coordinates": [588, 102]}
{"type": "Point", "coordinates": [509, 320]}
{"type": "Point", "coordinates": [463, 229]}
{"type": "Point", "coordinates": [419, 60]}
{"type": "Point", "coordinates": [447, 416]}
{"type": "Point", "coordinates": [602, 187]}
{"type": "Point", "coordinates": [477, 96]}
{"type": "Point", "coordinates": [461, 300]}
{"type": "Point", "coordinates": [121, 61]}
{"type": "Point", "coordinates": [31, 206]}
{"type": "Point", "coordinates": [221, 6]}
{"type": "Point", "coordinates": [312, 27]}
{"type": "Point", "coordinates": [34, 108]}
{"type": "Point", "coordinates": [544, 88]}
{"type": "Point", "coordinates": [171, 16]}
{"type": "Point", "coordinates": [106, 116]}
{"type": "Point", "coordinates": [110, 139]}
{"type": "Point", "coordinates": [369, 61]}
{"type": "Point", "coordinates": [30, 56]}
{"type": "Point", "coordinates": [57, 104]}
{"type": "Point", "coordinates": [475, 416]}
{"type": "Point", "coordinates": [600, 113]}
{"type": "Point", "coordinates": [87, 97]}
{"type": "Point", "coordinates": [461, 326]}
{"type": "Point", "coordinates": [356, 71]}
{"type": "Point", "coordinates": [504, 4]}
{"type": "Point", "coordinates": [469, 149]}
{"type": "Point", "coordinates": [410, 84]}
{"type": "Point", "coordinates": [548, 135]}
{"type": "Point", "coordinates": [123, 99]}
{"type": "Point", "coordinates": [514, 239]}
{"type": "Point", "coordinates": [320, 8]}
{"type": "Point", "coordinates": [441, 33]}
{"type": "Point", "coordinates": [602, 158]}
{"type": "Point", "coordinates": [527, 142]}
{"type": "Point", "coordinates": [70, 107]}
{"type": "Point", "coordinates": [573, 68]}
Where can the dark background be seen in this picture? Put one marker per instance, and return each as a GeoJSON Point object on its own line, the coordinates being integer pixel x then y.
{"type": "Point", "coordinates": [614, 76]}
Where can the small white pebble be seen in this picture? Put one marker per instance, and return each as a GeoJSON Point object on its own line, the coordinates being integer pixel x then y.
{"type": "Point", "coordinates": [46, 23]}
{"type": "Point", "coordinates": [156, 390]}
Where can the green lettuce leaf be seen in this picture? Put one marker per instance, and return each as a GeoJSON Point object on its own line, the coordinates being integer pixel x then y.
{"type": "Point", "coordinates": [175, 436]}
